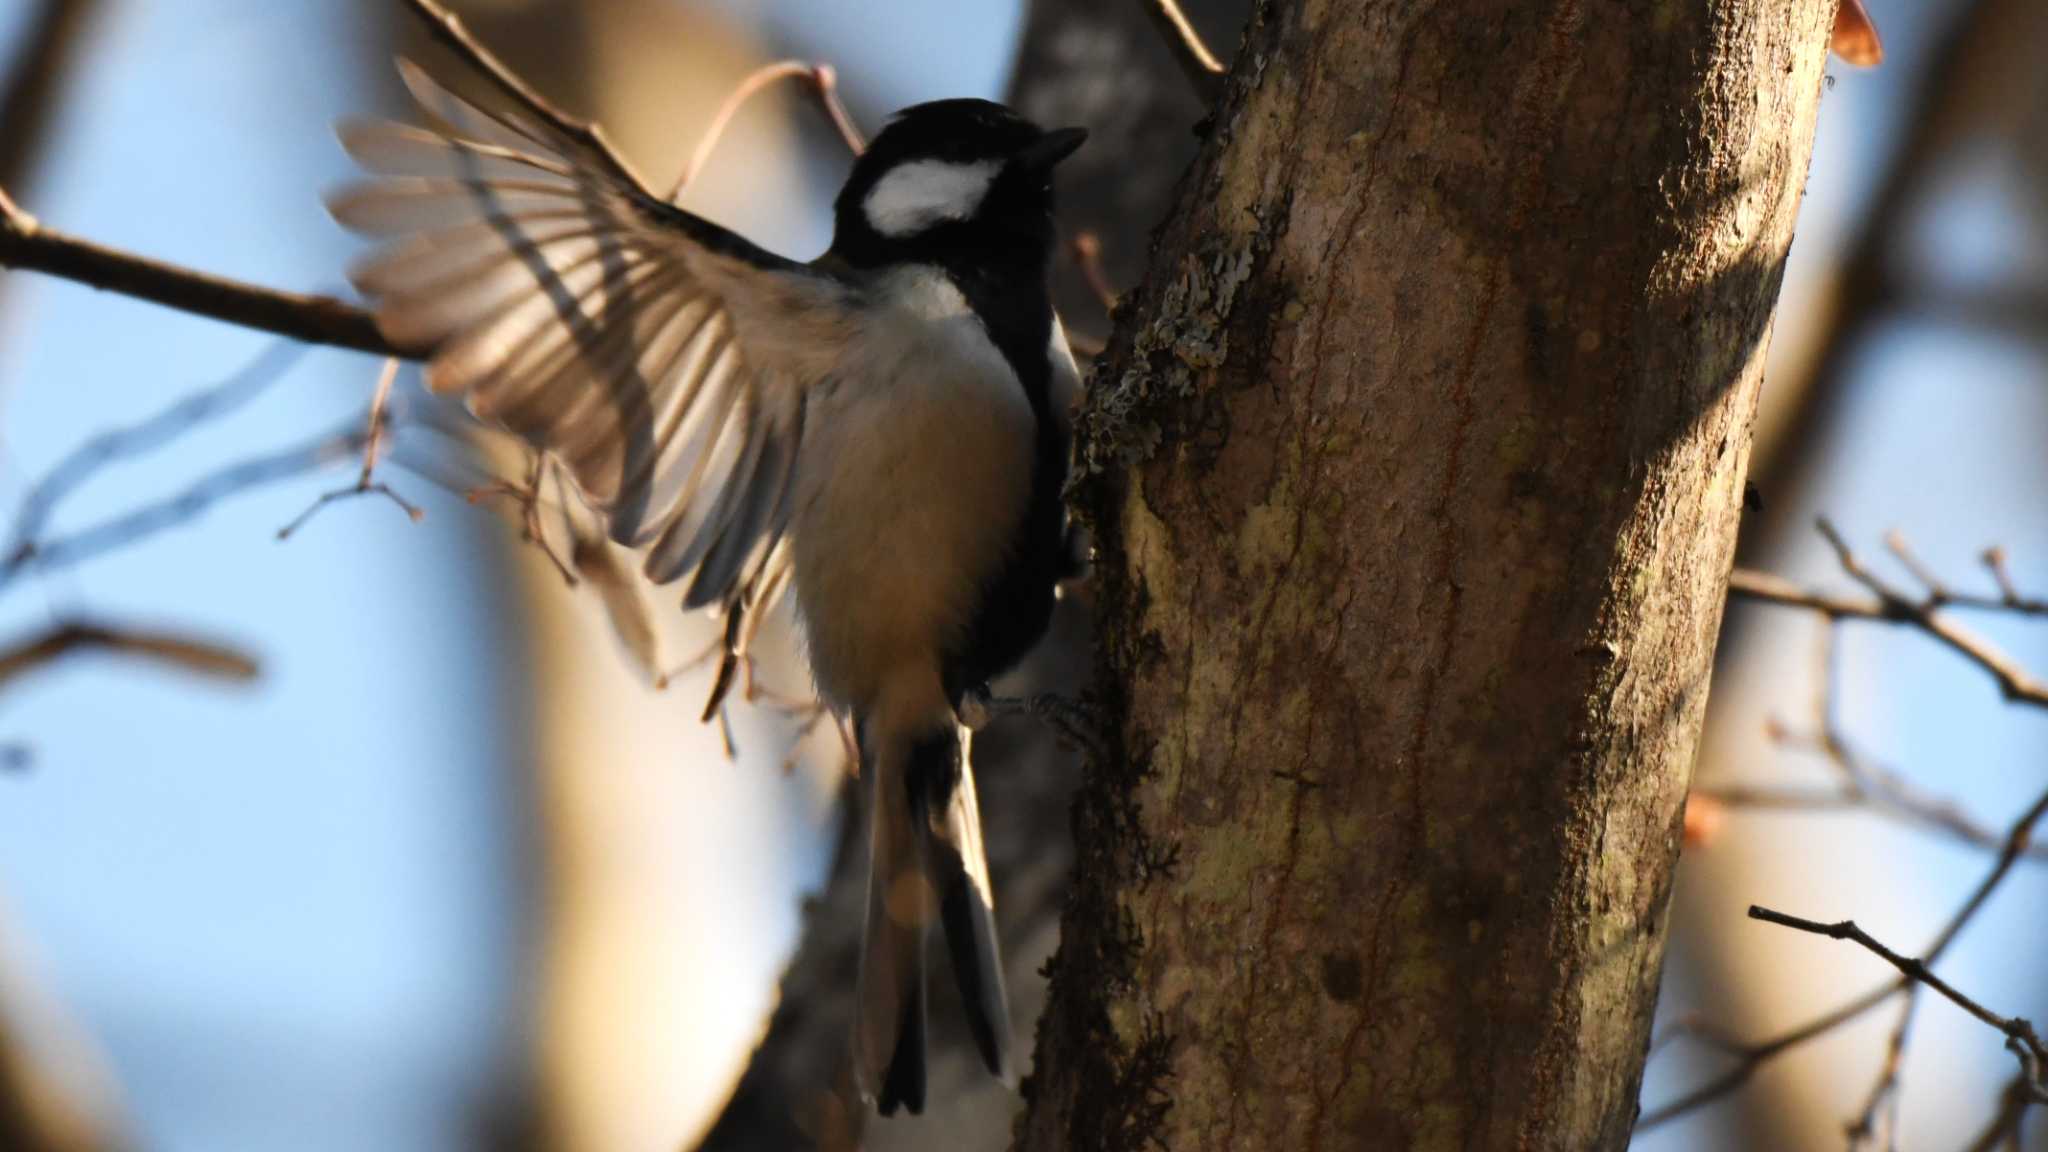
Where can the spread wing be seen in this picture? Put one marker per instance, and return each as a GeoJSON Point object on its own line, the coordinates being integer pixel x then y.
{"type": "Point", "coordinates": [662, 359]}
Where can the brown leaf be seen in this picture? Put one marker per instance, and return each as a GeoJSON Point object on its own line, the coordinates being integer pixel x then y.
{"type": "Point", "coordinates": [1855, 37]}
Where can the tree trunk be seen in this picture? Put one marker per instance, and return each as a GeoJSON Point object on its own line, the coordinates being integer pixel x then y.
{"type": "Point", "coordinates": [1416, 469]}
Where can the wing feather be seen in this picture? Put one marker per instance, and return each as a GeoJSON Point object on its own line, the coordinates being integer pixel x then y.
{"type": "Point", "coordinates": [657, 356]}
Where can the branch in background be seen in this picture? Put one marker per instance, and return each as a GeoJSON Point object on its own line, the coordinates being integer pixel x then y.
{"type": "Point", "coordinates": [48, 44]}
{"type": "Point", "coordinates": [2021, 1038]}
{"type": "Point", "coordinates": [1862, 786]}
{"type": "Point", "coordinates": [1867, 786]}
{"type": "Point", "coordinates": [183, 653]}
{"type": "Point", "coordinates": [1203, 70]}
{"type": "Point", "coordinates": [105, 448]}
{"type": "Point", "coordinates": [138, 524]}
{"type": "Point", "coordinates": [823, 82]}
{"type": "Point", "coordinates": [1868, 282]}
{"type": "Point", "coordinates": [1895, 606]}
{"type": "Point", "coordinates": [373, 439]}
{"type": "Point", "coordinates": [1750, 1057]}
{"type": "Point", "coordinates": [26, 245]}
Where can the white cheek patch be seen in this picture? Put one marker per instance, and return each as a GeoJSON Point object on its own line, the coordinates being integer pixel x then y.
{"type": "Point", "coordinates": [912, 197]}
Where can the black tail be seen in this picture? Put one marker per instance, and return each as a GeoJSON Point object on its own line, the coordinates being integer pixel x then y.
{"type": "Point", "coordinates": [925, 848]}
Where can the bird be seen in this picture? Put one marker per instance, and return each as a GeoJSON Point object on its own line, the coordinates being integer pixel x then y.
{"type": "Point", "coordinates": [884, 430]}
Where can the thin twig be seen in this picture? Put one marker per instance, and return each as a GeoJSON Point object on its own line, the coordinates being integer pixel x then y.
{"type": "Point", "coordinates": [1203, 70]}
{"type": "Point", "coordinates": [1086, 248]}
{"type": "Point", "coordinates": [827, 79]}
{"type": "Point", "coordinates": [1891, 605]}
{"type": "Point", "coordinates": [823, 83]}
{"type": "Point", "coordinates": [200, 657]}
{"type": "Point", "coordinates": [1862, 786]}
{"type": "Point", "coordinates": [149, 520]}
{"type": "Point", "coordinates": [2015, 1029]}
{"type": "Point", "coordinates": [27, 245]}
{"type": "Point", "coordinates": [365, 485]}
{"type": "Point", "coordinates": [1884, 1091]}
{"type": "Point", "coordinates": [1753, 1056]}
{"type": "Point", "coordinates": [81, 464]}
{"type": "Point", "coordinates": [2003, 1130]}
{"type": "Point", "coordinates": [526, 496]}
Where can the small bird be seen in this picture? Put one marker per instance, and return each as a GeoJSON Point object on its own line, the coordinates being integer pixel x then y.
{"type": "Point", "coordinates": [888, 422]}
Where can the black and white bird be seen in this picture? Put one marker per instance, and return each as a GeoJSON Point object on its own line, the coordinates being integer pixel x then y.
{"type": "Point", "coordinates": [885, 428]}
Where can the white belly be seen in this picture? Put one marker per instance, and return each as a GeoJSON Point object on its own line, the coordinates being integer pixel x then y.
{"type": "Point", "coordinates": [916, 473]}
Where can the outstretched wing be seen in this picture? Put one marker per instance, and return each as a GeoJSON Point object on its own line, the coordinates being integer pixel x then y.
{"type": "Point", "coordinates": [662, 359]}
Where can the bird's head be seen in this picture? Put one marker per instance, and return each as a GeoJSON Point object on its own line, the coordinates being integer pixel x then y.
{"type": "Point", "coordinates": [953, 181]}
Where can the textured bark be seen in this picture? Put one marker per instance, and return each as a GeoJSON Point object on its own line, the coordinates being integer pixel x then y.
{"type": "Point", "coordinates": [1419, 462]}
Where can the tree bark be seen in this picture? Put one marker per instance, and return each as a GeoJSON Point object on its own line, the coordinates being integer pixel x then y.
{"type": "Point", "coordinates": [1415, 470]}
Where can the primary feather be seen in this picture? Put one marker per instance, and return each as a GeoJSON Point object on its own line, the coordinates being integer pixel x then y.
{"type": "Point", "coordinates": [569, 307]}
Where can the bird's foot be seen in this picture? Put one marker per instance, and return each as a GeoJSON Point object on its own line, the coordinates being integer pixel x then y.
{"type": "Point", "coordinates": [1077, 723]}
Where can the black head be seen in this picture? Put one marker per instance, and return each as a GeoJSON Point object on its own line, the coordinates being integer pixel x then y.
{"type": "Point", "coordinates": [953, 182]}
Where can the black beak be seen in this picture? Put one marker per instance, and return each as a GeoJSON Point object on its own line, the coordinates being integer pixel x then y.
{"type": "Point", "coordinates": [1051, 148]}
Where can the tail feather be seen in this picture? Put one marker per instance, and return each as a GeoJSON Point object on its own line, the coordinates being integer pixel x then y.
{"type": "Point", "coordinates": [925, 849]}
{"type": "Point", "coordinates": [889, 1029]}
{"type": "Point", "coordinates": [968, 913]}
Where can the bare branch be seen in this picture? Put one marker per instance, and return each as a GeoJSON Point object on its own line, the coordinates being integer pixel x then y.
{"type": "Point", "coordinates": [1086, 248]}
{"type": "Point", "coordinates": [137, 524]}
{"type": "Point", "coordinates": [1863, 786]}
{"type": "Point", "coordinates": [1204, 71]}
{"type": "Point", "coordinates": [184, 653]}
{"type": "Point", "coordinates": [1891, 605]}
{"type": "Point", "coordinates": [2018, 1032]}
{"type": "Point", "coordinates": [365, 485]}
{"type": "Point", "coordinates": [824, 84]}
{"type": "Point", "coordinates": [25, 244]}
{"type": "Point", "coordinates": [86, 461]}
{"type": "Point", "coordinates": [1753, 1056]}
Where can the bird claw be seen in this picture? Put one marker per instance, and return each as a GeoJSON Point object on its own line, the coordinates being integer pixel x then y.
{"type": "Point", "coordinates": [1077, 724]}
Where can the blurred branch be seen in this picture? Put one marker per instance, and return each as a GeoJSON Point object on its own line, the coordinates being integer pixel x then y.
{"type": "Point", "coordinates": [2003, 1130]}
{"type": "Point", "coordinates": [1867, 282]}
{"type": "Point", "coordinates": [365, 485]}
{"type": "Point", "coordinates": [183, 653]}
{"type": "Point", "coordinates": [1750, 1057]}
{"type": "Point", "coordinates": [1892, 605]}
{"type": "Point", "coordinates": [2024, 1042]}
{"type": "Point", "coordinates": [1204, 71]}
{"type": "Point", "coordinates": [105, 448]}
{"type": "Point", "coordinates": [823, 82]}
{"type": "Point", "coordinates": [140, 523]}
{"type": "Point", "coordinates": [1862, 785]}
{"type": "Point", "coordinates": [48, 45]}
{"type": "Point", "coordinates": [38, 1112]}
{"type": "Point", "coordinates": [27, 245]}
